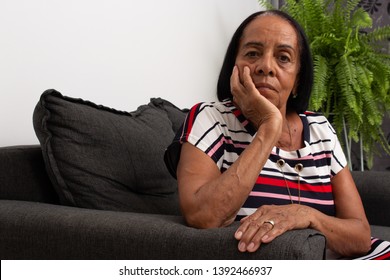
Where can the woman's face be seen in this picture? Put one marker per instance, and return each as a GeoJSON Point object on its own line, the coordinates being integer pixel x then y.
{"type": "Point", "coordinates": [269, 47]}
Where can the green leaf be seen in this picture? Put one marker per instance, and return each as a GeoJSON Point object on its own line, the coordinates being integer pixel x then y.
{"type": "Point", "coordinates": [361, 19]}
{"type": "Point", "coordinates": [319, 92]}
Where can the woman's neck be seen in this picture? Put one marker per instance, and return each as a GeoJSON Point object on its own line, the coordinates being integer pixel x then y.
{"type": "Point", "coordinates": [291, 138]}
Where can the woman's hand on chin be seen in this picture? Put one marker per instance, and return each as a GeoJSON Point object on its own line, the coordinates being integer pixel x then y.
{"type": "Point", "coordinates": [255, 107]}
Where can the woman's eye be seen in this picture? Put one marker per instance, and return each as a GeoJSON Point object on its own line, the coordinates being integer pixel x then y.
{"type": "Point", "coordinates": [284, 58]}
{"type": "Point", "coordinates": [252, 54]}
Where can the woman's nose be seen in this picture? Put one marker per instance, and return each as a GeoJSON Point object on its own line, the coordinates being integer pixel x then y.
{"type": "Point", "coordinates": [264, 66]}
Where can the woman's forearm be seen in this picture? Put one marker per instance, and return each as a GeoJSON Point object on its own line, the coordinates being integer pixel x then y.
{"type": "Point", "coordinates": [347, 237]}
{"type": "Point", "coordinates": [216, 202]}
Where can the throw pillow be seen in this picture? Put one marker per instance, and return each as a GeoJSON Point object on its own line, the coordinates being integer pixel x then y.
{"type": "Point", "coordinates": [175, 114]}
{"type": "Point", "coordinates": [98, 157]}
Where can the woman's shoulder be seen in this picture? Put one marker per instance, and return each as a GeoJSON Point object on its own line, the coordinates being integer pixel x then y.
{"type": "Point", "coordinates": [319, 124]}
{"type": "Point", "coordinates": [213, 107]}
{"type": "Point", "coordinates": [316, 118]}
{"type": "Point", "coordinates": [226, 104]}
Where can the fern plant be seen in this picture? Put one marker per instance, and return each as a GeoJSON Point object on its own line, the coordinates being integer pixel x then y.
{"type": "Point", "coordinates": [351, 72]}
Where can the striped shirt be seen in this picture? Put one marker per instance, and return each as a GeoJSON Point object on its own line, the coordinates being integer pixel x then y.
{"type": "Point", "coordinates": [221, 131]}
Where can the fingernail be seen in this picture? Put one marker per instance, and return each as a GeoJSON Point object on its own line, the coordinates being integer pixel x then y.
{"type": "Point", "coordinates": [238, 234]}
{"type": "Point", "coordinates": [265, 238]}
{"type": "Point", "coordinates": [242, 247]}
{"type": "Point", "coordinates": [251, 246]}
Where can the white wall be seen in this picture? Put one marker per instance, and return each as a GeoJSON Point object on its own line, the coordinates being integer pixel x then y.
{"type": "Point", "coordinates": [118, 53]}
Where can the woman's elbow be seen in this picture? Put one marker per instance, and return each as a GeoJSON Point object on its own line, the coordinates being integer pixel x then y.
{"type": "Point", "coordinates": [200, 221]}
{"type": "Point", "coordinates": [363, 248]}
{"type": "Point", "coordinates": [366, 239]}
{"type": "Point", "coordinates": [366, 243]}
{"type": "Point", "coordinates": [362, 245]}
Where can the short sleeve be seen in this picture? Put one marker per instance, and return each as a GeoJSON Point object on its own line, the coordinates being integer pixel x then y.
{"type": "Point", "coordinates": [201, 128]}
{"type": "Point", "coordinates": [338, 160]}
{"type": "Point", "coordinates": [216, 128]}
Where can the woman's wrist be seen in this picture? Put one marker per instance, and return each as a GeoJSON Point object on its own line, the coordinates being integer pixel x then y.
{"type": "Point", "coordinates": [270, 127]}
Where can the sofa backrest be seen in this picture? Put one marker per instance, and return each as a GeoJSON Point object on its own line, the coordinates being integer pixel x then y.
{"type": "Point", "coordinates": [374, 190]}
{"type": "Point", "coordinates": [23, 175]}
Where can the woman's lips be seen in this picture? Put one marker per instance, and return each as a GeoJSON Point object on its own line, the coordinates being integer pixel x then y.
{"type": "Point", "coordinates": [264, 87]}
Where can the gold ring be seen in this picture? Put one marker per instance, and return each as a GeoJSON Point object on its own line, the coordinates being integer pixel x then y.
{"type": "Point", "coordinates": [271, 222]}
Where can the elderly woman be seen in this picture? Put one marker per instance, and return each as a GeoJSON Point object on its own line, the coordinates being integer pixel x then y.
{"type": "Point", "coordinates": [258, 156]}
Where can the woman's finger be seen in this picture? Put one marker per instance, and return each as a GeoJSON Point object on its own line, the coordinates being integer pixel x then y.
{"type": "Point", "coordinates": [235, 84]}
{"type": "Point", "coordinates": [251, 236]}
{"type": "Point", "coordinates": [247, 80]}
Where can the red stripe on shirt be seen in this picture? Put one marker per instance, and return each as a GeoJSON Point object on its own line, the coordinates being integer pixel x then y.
{"type": "Point", "coordinates": [326, 188]}
{"type": "Point", "coordinates": [191, 117]}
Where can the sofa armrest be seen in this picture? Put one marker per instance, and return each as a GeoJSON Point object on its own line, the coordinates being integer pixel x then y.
{"type": "Point", "coordinates": [23, 175]}
{"type": "Point", "coordinates": [44, 231]}
{"type": "Point", "coordinates": [374, 189]}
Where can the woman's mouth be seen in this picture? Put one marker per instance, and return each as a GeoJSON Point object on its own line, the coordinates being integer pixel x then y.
{"type": "Point", "coordinates": [264, 87]}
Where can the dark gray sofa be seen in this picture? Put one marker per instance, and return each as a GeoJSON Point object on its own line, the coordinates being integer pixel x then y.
{"type": "Point", "coordinates": [49, 209]}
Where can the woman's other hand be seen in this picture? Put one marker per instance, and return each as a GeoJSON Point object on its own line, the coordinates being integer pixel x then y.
{"type": "Point", "coordinates": [268, 222]}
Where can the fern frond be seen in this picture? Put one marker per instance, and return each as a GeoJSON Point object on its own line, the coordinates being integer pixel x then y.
{"type": "Point", "coordinates": [315, 20]}
{"type": "Point", "coordinates": [350, 6]}
{"type": "Point", "coordinates": [360, 19]}
{"type": "Point", "coordinates": [266, 4]}
{"type": "Point", "coordinates": [371, 114]}
{"type": "Point", "coordinates": [368, 99]}
{"type": "Point", "coordinates": [340, 23]}
{"type": "Point", "coordinates": [319, 91]}
{"type": "Point", "coordinates": [293, 9]}
{"type": "Point", "coordinates": [378, 34]}
{"type": "Point", "coordinates": [381, 72]}
{"type": "Point", "coordinates": [346, 77]}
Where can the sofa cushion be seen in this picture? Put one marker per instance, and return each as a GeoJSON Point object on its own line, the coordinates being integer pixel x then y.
{"type": "Point", "coordinates": [102, 158]}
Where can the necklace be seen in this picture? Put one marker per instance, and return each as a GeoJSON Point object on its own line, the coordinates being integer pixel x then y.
{"type": "Point", "coordinates": [298, 168]}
